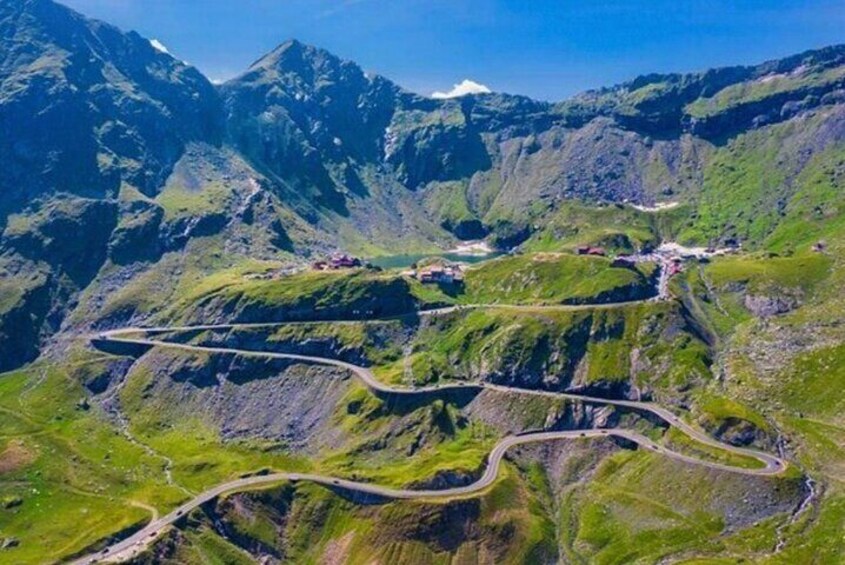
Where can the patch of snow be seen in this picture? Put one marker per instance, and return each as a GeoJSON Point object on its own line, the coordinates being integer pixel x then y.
{"type": "Point", "coordinates": [159, 46]}
{"type": "Point", "coordinates": [472, 248]}
{"type": "Point", "coordinates": [391, 142]}
{"type": "Point", "coordinates": [677, 250]}
{"type": "Point", "coordinates": [799, 70]}
{"type": "Point", "coordinates": [657, 207]}
{"type": "Point", "coordinates": [462, 89]}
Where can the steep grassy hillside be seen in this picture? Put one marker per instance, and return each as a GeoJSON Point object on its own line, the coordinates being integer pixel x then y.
{"type": "Point", "coordinates": [617, 228]}
{"type": "Point", "coordinates": [777, 186]}
{"type": "Point", "coordinates": [555, 279]}
{"type": "Point", "coordinates": [635, 350]}
{"type": "Point", "coordinates": [508, 525]}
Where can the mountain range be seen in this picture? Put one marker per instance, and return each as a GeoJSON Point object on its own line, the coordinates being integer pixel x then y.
{"type": "Point", "coordinates": [119, 158]}
{"type": "Point", "coordinates": [663, 318]}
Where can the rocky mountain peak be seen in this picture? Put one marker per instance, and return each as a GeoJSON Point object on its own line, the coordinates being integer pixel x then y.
{"type": "Point", "coordinates": [309, 108]}
{"type": "Point", "coordinates": [305, 69]}
{"type": "Point", "coordinates": [85, 107]}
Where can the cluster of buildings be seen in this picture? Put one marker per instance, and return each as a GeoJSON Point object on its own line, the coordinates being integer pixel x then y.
{"type": "Point", "coordinates": [439, 274]}
{"type": "Point", "coordinates": [337, 261]}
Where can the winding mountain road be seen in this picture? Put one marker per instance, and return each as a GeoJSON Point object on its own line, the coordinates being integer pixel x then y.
{"type": "Point", "coordinates": [136, 543]}
{"type": "Point", "coordinates": [132, 545]}
{"type": "Point", "coordinates": [121, 551]}
{"type": "Point", "coordinates": [771, 463]}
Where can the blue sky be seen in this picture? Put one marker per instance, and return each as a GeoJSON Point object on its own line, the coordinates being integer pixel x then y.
{"type": "Point", "coordinates": [547, 49]}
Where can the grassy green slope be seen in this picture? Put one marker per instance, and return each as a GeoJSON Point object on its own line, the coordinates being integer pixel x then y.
{"type": "Point", "coordinates": [554, 279]}
{"type": "Point", "coordinates": [588, 347]}
{"type": "Point", "coordinates": [67, 477]}
{"type": "Point", "coordinates": [783, 373]}
{"type": "Point", "coordinates": [617, 228]}
{"type": "Point", "coordinates": [642, 508]}
{"type": "Point", "coordinates": [777, 186]}
{"type": "Point", "coordinates": [306, 524]}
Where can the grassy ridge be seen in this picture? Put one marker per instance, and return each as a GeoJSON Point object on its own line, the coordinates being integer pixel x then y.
{"type": "Point", "coordinates": [236, 294]}
{"type": "Point", "coordinates": [618, 228]}
{"type": "Point", "coordinates": [586, 347]}
{"type": "Point", "coordinates": [801, 273]}
{"type": "Point", "coordinates": [760, 89]}
{"type": "Point", "coordinates": [554, 279]}
{"type": "Point", "coordinates": [433, 439]}
{"type": "Point", "coordinates": [311, 294]}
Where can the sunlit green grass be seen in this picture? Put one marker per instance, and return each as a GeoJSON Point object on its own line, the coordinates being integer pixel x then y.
{"type": "Point", "coordinates": [80, 477]}
{"type": "Point", "coordinates": [552, 279]}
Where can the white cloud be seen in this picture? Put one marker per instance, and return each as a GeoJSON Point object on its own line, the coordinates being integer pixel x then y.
{"type": "Point", "coordinates": [466, 87]}
{"type": "Point", "coordinates": [159, 46]}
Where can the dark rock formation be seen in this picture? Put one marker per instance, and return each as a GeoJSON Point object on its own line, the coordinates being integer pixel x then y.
{"type": "Point", "coordinates": [766, 306]}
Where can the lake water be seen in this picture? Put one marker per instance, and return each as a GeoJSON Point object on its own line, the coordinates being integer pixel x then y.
{"type": "Point", "coordinates": [405, 261]}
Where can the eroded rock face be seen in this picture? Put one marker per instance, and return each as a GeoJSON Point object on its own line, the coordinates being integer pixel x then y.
{"type": "Point", "coordinates": [46, 257]}
{"type": "Point", "coordinates": [69, 234]}
{"type": "Point", "coordinates": [512, 414]}
{"type": "Point", "coordinates": [24, 319]}
{"type": "Point", "coordinates": [136, 237]}
{"type": "Point", "coordinates": [249, 398]}
{"type": "Point", "coordinates": [743, 433]}
{"type": "Point", "coordinates": [764, 306]}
